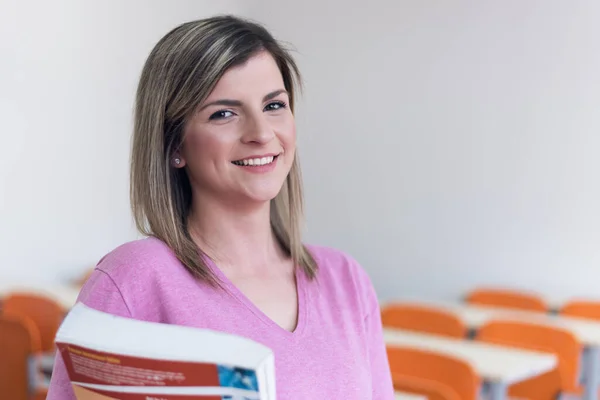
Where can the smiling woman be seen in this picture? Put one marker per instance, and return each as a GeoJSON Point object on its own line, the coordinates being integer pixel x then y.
{"type": "Point", "coordinates": [244, 121]}
{"type": "Point", "coordinates": [216, 188]}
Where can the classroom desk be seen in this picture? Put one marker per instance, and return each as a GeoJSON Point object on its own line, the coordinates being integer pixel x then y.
{"type": "Point", "coordinates": [587, 331]}
{"type": "Point", "coordinates": [64, 295]}
{"type": "Point", "coordinates": [556, 303]}
{"type": "Point", "coordinates": [498, 366]}
{"type": "Point", "coordinates": [408, 396]}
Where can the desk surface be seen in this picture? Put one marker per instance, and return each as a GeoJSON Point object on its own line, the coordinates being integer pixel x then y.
{"type": "Point", "coordinates": [497, 364]}
{"type": "Point", "coordinates": [409, 396]}
{"type": "Point", "coordinates": [587, 331]}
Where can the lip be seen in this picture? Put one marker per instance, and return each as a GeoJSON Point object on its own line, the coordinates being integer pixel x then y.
{"type": "Point", "coordinates": [260, 169]}
{"type": "Point", "coordinates": [257, 156]}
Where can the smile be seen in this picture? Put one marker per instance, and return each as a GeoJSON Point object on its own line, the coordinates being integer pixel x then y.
{"type": "Point", "coordinates": [255, 161]}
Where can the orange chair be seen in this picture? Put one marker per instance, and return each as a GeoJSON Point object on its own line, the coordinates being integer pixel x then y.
{"type": "Point", "coordinates": [423, 319]}
{"type": "Point", "coordinates": [548, 339]}
{"type": "Point", "coordinates": [44, 312]}
{"type": "Point", "coordinates": [453, 373]}
{"type": "Point", "coordinates": [429, 389]}
{"type": "Point", "coordinates": [508, 299]}
{"type": "Point", "coordinates": [42, 394]}
{"type": "Point", "coordinates": [20, 379]}
{"type": "Point", "coordinates": [581, 309]}
{"type": "Point", "coordinates": [587, 309]}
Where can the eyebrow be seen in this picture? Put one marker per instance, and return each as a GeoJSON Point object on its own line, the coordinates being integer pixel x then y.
{"type": "Point", "coordinates": [237, 103]}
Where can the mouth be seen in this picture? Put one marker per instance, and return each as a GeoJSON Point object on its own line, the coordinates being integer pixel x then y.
{"type": "Point", "coordinates": [255, 162]}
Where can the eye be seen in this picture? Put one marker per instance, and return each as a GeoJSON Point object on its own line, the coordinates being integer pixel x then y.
{"type": "Point", "coordinates": [221, 114]}
{"type": "Point", "coordinates": [276, 105]}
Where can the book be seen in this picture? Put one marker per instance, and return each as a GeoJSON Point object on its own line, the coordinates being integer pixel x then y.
{"type": "Point", "coordinates": [112, 357]}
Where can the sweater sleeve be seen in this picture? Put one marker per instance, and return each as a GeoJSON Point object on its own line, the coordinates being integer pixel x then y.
{"type": "Point", "coordinates": [380, 370]}
{"type": "Point", "coordinates": [99, 292]}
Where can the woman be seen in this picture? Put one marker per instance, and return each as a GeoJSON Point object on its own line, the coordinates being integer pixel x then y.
{"type": "Point", "coordinates": [216, 188]}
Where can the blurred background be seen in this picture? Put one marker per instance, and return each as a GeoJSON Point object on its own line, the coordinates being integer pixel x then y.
{"type": "Point", "coordinates": [443, 144]}
{"type": "Point", "coordinates": [451, 147]}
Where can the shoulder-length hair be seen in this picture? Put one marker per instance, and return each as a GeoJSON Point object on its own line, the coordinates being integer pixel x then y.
{"type": "Point", "coordinates": [179, 74]}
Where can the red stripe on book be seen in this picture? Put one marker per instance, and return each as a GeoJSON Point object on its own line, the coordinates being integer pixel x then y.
{"type": "Point", "coordinates": [98, 394]}
{"type": "Point", "coordinates": [91, 366]}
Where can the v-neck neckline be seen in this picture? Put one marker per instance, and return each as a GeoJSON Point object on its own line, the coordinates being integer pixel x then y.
{"type": "Point", "coordinates": [301, 295]}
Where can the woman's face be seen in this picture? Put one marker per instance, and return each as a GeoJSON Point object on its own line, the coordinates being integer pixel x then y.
{"type": "Point", "coordinates": [240, 143]}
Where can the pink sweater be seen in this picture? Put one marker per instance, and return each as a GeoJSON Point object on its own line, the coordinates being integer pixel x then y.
{"type": "Point", "coordinates": [336, 351]}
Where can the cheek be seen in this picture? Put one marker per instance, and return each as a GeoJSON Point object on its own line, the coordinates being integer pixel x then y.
{"type": "Point", "coordinates": [200, 145]}
{"type": "Point", "coordinates": [290, 147]}
{"type": "Point", "coordinates": [288, 135]}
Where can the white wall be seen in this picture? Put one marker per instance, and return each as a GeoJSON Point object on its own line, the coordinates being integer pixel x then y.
{"type": "Point", "coordinates": [449, 144]}
{"type": "Point", "coordinates": [68, 71]}
{"type": "Point", "coordinates": [444, 144]}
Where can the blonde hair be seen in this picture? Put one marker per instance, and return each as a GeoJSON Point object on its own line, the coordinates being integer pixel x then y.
{"type": "Point", "coordinates": [179, 74]}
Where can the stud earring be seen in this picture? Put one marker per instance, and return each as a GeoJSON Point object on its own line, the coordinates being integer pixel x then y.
{"type": "Point", "coordinates": [177, 161]}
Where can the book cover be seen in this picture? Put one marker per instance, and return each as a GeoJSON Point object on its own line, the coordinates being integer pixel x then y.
{"type": "Point", "coordinates": [110, 357]}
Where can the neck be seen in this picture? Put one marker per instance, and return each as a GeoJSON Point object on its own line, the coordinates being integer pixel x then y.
{"type": "Point", "coordinates": [237, 238]}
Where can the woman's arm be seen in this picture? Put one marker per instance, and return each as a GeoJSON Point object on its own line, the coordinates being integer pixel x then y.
{"type": "Point", "coordinates": [99, 292]}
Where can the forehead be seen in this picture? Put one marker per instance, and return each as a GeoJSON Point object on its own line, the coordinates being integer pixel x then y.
{"type": "Point", "coordinates": [257, 76]}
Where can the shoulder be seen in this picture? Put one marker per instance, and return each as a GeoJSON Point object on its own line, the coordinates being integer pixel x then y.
{"type": "Point", "coordinates": [128, 279]}
{"type": "Point", "coordinates": [332, 261]}
{"type": "Point", "coordinates": [146, 251]}
{"type": "Point", "coordinates": [343, 276]}
{"type": "Point", "coordinates": [138, 259]}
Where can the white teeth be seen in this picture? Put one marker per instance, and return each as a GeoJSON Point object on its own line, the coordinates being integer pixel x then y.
{"type": "Point", "coordinates": [256, 161]}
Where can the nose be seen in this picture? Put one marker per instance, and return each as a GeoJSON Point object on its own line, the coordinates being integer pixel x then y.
{"type": "Point", "coordinates": [258, 129]}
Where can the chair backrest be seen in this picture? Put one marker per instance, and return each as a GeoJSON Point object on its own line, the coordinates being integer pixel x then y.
{"type": "Point", "coordinates": [19, 340]}
{"type": "Point", "coordinates": [46, 313]}
{"type": "Point", "coordinates": [548, 339]}
{"type": "Point", "coordinates": [581, 309]}
{"type": "Point", "coordinates": [41, 394]}
{"type": "Point", "coordinates": [431, 390]}
{"type": "Point", "coordinates": [423, 319]}
{"type": "Point", "coordinates": [508, 299]}
{"type": "Point", "coordinates": [451, 372]}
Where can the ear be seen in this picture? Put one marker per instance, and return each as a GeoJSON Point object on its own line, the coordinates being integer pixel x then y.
{"type": "Point", "coordinates": [177, 161]}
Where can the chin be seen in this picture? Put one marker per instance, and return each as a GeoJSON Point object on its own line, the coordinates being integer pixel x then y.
{"type": "Point", "coordinates": [263, 194]}
{"type": "Point", "coordinates": [263, 197]}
